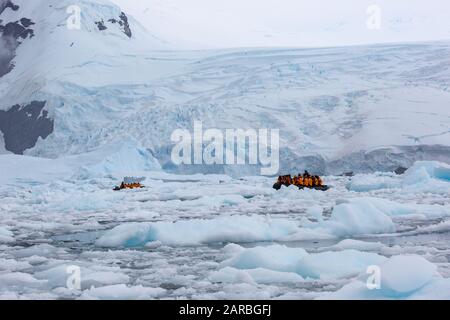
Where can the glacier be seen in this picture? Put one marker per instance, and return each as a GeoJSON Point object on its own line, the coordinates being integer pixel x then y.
{"type": "Point", "coordinates": [343, 109]}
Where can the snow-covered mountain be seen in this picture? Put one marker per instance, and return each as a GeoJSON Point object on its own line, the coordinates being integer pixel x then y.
{"type": "Point", "coordinates": [65, 92]}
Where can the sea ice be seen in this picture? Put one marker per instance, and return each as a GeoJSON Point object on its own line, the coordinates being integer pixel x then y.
{"type": "Point", "coordinates": [122, 292]}
{"type": "Point", "coordinates": [322, 265]}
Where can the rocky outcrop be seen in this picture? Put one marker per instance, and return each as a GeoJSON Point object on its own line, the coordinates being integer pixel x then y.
{"type": "Point", "coordinates": [11, 36]}
{"type": "Point", "coordinates": [23, 125]}
{"type": "Point", "coordinates": [123, 22]}
{"type": "Point", "coordinates": [8, 4]}
{"type": "Point", "coordinates": [101, 25]}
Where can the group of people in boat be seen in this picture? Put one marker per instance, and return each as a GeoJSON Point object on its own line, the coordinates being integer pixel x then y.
{"type": "Point", "coordinates": [123, 185]}
{"type": "Point", "coordinates": [302, 180]}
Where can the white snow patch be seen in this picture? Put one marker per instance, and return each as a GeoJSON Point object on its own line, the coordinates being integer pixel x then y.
{"type": "Point", "coordinates": [122, 292]}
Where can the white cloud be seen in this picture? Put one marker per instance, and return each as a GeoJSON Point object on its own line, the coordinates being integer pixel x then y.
{"type": "Point", "coordinates": [238, 23]}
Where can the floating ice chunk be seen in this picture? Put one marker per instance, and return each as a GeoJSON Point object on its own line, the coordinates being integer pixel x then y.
{"type": "Point", "coordinates": [315, 212]}
{"type": "Point", "coordinates": [296, 260]}
{"type": "Point", "coordinates": [401, 275]}
{"type": "Point", "coordinates": [153, 245]}
{"type": "Point", "coordinates": [275, 257]}
{"type": "Point", "coordinates": [436, 289]}
{"type": "Point", "coordinates": [423, 171]}
{"type": "Point", "coordinates": [330, 265]}
{"type": "Point", "coordinates": [423, 176]}
{"type": "Point", "coordinates": [253, 276]}
{"type": "Point", "coordinates": [441, 227]}
{"type": "Point", "coordinates": [128, 235]}
{"type": "Point", "coordinates": [16, 281]}
{"type": "Point", "coordinates": [231, 275]}
{"type": "Point", "coordinates": [122, 292]}
{"type": "Point", "coordinates": [376, 181]}
{"type": "Point", "coordinates": [353, 217]}
{"type": "Point", "coordinates": [6, 236]}
{"type": "Point", "coordinates": [232, 249]}
{"type": "Point", "coordinates": [363, 216]}
{"type": "Point", "coordinates": [427, 176]}
{"type": "Point", "coordinates": [41, 250]}
{"type": "Point", "coordinates": [355, 245]}
{"type": "Point", "coordinates": [195, 232]}
{"type": "Point", "coordinates": [13, 265]}
{"type": "Point", "coordinates": [57, 276]}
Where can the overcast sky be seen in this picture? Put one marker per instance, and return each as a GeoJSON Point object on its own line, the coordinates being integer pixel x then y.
{"type": "Point", "coordinates": [262, 23]}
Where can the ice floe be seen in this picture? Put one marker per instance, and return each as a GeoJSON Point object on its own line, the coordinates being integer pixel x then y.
{"type": "Point", "coordinates": [402, 277]}
{"type": "Point", "coordinates": [296, 260]}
